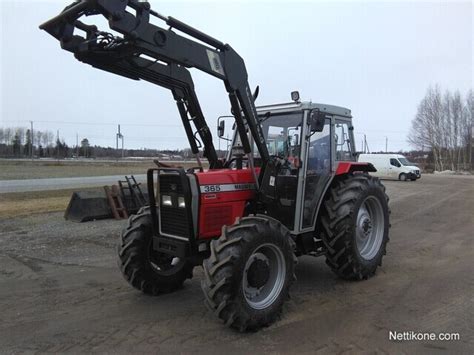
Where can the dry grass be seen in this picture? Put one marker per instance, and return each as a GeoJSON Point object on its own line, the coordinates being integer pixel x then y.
{"type": "Point", "coordinates": [26, 203]}
{"type": "Point", "coordinates": [26, 169]}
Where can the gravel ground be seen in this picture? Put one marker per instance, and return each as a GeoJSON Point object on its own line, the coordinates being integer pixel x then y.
{"type": "Point", "coordinates": [60, 289]}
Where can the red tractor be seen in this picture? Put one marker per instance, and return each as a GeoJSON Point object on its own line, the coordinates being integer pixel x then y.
{"type": "Point", "coordinates": [289, 186]}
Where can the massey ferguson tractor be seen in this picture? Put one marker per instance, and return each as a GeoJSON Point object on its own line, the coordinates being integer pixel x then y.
{"type": "Point", "coordinates": [289, 185]}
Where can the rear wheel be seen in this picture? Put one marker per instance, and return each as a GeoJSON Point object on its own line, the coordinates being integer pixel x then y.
{"type": "Point", "coordinates": [144, 268]}
{"type": "Point", "coordinates": [355, 224]}
{"type": "Point", "coordinates": [249, 273]}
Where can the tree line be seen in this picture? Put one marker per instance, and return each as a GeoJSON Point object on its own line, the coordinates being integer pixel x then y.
{"type": "Point", "coordinates": [18, 142]}
{"type": "Point", "coordinates": [442, 126]}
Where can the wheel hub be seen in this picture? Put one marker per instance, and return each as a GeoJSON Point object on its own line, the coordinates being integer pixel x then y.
{"type": "Point", "coordinates": [258, 273]}
{"type": "Point", "coordinates": [366, 227]}
{"type": "Point", "coordinates": [369, 228]}
{"type": "Point", "coordinates": [264, 276]}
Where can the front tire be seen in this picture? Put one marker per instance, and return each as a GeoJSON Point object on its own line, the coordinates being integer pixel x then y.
{"type": "Point", "coordinates": [402, 177]}
{"type": "Point", "coordinates": [355, 225]}
{"type": "Point", "coordinates": [146, 270]}
{"type": "Point", "coordinates": [249, 273]}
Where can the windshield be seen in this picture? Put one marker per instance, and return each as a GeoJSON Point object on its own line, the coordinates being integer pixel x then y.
{"type": "Point", "coordinates": [405, 162]}
{"type": "Point", "coordinates": [282, 133]}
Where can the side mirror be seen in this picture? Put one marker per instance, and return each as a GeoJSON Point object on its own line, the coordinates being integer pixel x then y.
{"type": "Point", "coordinates": [221, 128]}
{"type": "Point", "coordinates": [316, 120]}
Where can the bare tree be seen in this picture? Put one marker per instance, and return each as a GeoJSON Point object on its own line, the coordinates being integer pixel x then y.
{"type": "Point", "coordinates": [39, 137]}
{"type": "Point", "coordinates": [443, 124]}
{"type": "Point", "coordinates": [48, 138]}
{"type": "Point", "coordinates": [468, 120]}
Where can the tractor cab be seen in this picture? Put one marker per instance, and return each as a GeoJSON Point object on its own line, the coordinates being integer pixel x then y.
{"type": "Point", "coordinates": [308, 140]}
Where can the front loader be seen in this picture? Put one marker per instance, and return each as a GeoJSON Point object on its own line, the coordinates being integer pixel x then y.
{"type": "Point", "coordinates": [289, 186]}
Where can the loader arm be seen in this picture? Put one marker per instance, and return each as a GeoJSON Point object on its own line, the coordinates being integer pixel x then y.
{"type": "Point", "coordinates": [161, 56]}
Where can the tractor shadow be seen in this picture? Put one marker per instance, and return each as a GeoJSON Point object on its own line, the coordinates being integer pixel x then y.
{"type": "Point", "coordinates": [313, 277]}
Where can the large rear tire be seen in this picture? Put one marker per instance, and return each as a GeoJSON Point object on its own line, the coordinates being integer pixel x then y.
{"type": "Point", "coordinates": [143, 268]}
{"type": "Point", "coordinates": [355, 225]}
{"type": "Point", "coordinates": [249, 273]}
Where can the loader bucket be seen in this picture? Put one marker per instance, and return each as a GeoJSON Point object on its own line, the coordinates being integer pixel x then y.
{"type": "Point", "coordinates": [87, 206]}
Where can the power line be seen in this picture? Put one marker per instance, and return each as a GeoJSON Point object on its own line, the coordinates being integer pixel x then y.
{"type": "Point", "coordinates": [100, 124]}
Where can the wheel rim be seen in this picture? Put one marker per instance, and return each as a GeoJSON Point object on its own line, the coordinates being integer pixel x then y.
{"type": "Point", "coordinates": [370, 228]}
{"type": "Point", "coordinates": [264, 276]}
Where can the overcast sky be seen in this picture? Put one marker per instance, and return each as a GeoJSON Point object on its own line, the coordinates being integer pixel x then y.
{"type": "Point", "coordinates": [376, 58]}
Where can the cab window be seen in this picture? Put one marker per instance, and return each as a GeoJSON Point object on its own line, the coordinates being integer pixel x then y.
{"type": "Point", "coordinates": [319, 154]}
{"type": "Point", "coordinates": [283, 134]}
{"type": "Point", "coordinates": [277, 141]}
{"type": "Point", "coordinates": [342, 139]}
{"type": "Point", "coordinates": [395, 162]}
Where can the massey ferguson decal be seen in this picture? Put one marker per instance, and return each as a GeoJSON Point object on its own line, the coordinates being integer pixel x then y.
{"type": "Point", "coordinates": [226, 188]}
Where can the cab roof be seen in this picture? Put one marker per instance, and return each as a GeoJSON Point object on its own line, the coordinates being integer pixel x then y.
{"type": "Point", "coordinates": [299, 106]}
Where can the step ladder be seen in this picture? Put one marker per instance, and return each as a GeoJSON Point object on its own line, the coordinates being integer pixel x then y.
{"type": "Point", "coordinates": [115, 202]}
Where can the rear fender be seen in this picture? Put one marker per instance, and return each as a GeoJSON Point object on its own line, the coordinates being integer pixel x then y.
{"type": "Point", "coordinates": [343, 168]}
{"type": "Point", "coordinates": [347, 167]}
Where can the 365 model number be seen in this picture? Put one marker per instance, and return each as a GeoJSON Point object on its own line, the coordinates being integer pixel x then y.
{"type": "Point", "coordinates": [211, 188]}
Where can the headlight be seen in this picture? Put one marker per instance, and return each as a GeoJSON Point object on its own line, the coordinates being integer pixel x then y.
{"type": "Point", "coordinates": [181, 202]}
{"type": "Point", "coordinates": [166, 200]}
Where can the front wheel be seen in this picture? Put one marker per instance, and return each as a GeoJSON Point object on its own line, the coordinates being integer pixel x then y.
{"type": "Point", "coordinates": [355, 224]}
{"type": "Point", "coordinates": [402, 177]}
{"type": "Point", "coordinates": [249, 273]}
{"type": "Point", "coordinates": [144, 268]}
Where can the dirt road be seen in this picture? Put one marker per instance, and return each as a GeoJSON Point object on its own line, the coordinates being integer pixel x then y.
{"type": "Point", "coordinates": [60, 290]}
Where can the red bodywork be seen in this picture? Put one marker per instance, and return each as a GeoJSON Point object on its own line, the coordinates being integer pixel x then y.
{"type": "Point", "coordinates": [218, 208]}
{"type": "Point", "coordinates": [345, 167]}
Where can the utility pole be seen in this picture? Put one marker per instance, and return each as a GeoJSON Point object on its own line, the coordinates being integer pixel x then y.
{"type": "Point", "coordinates": [116, 141]}
{"type": "Point", "coordinates": [31, 140]}
{"type": "Point", "coordinates": [386, 144]}
{"type": "Point", "coordinates": [57, 144]}
{"type": "Point", "coordinates": [117, 137]}
{"type": "Point", "coordinates": [77, 146]}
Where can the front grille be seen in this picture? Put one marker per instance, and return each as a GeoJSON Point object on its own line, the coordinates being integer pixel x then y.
{"type": "Point", "coordinates": [171, 183]}
{"type": "Point", "coordinates": [174, 220]}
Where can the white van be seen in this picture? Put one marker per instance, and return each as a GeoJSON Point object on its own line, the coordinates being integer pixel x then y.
{"type": "Point", "coordinates": [392, 166]}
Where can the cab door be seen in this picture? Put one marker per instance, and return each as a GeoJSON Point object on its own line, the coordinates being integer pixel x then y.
{"type": "Point", "coordinates": [394, 168]}
{"type": "Point", "coordinates": [317, 172]}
